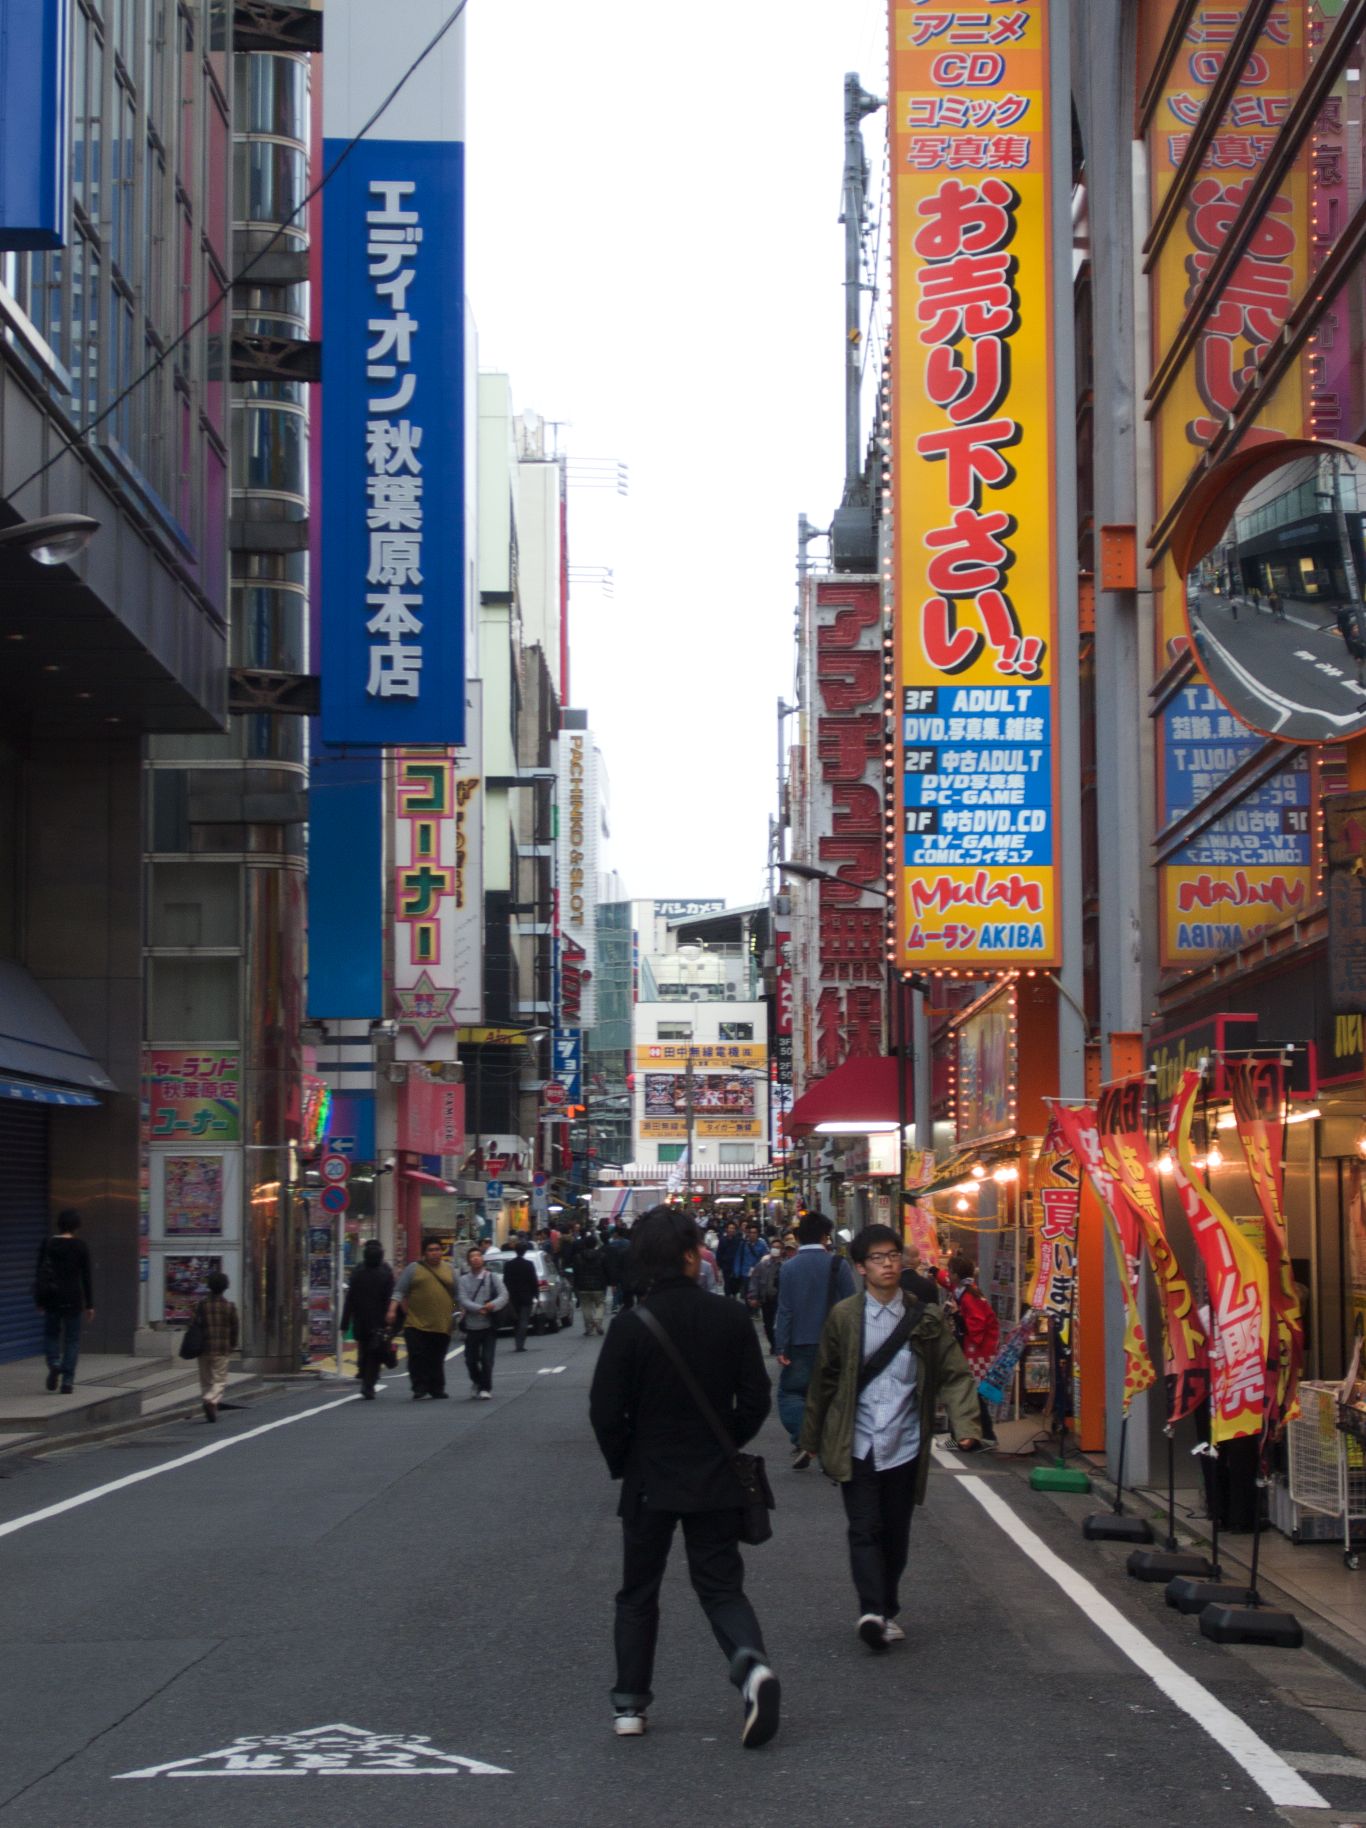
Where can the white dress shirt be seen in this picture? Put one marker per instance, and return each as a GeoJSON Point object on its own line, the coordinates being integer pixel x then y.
{"type": "Point", "coordinates": [887, 1419]}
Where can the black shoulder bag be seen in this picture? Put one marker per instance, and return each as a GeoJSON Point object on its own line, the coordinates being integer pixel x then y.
{"type": "Point", "coordinates": [196, 1336]}
{"type": "Point", "coordinates": [887, 1351]}
{"type": "Point", "coordinates": [748, 1468]}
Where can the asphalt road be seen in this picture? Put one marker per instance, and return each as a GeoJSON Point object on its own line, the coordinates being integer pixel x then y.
{"type": "Point", "coordinates": [446, 1570]}
{"type": "Point", "coordinates": [1291, 676]}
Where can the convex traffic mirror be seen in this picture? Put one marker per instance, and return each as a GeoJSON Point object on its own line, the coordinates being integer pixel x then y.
{"type": "Point", "coordinates": [1276, 605]}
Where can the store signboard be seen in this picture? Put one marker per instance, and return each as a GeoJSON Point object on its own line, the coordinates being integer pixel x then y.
{"type": "Point", "coordinates": [568, 1062]}
{"type": "Point", "coordinates": [577, 873]}
{"type": "Point", "coordinates": [666, 1093]}
{"type": "Point", "coordinates": [848, 990]}
{"type": "Point", "coordinates": [1251, 868]}
{"type": "Point", "coordinates": [393, 584]}
{"type": "Point", "coordinates": [193, 1095]}
{"type": "Point", "coordinates": [976, 878]}
{"type": "Point", "coordinates": [35, 106]}
{"type": "Point", "coordinates": [438, 896]}
{"type": "Point", "coordinates": [711, 1056]}
{"type": "Point", "coordinates": [675, 1129]}
{"type": "Point", "coordinates": [431, 1114]}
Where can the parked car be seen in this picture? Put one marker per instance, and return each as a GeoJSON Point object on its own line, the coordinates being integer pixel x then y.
{"type": "Point", "coordinates": [554, 1306]}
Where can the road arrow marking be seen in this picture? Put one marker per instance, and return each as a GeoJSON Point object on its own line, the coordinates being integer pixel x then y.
{"type": "Point", "coordinates": [325, 1751]}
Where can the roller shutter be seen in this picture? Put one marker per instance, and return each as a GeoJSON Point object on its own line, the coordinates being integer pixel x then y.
{"type": "Point", "coordinates": [23, 1225]}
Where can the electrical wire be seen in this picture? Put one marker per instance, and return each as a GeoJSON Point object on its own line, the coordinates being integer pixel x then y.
{"type": "Point", "coordinates": [77, 438]}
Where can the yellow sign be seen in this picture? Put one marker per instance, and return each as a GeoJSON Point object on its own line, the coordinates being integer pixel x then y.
{"type": "Point", "coordinates": [675, 1129]}
{"type": "Point", "coordinates": [974, 475]}
{"type": "Point", "coordinates": [713, 1056]}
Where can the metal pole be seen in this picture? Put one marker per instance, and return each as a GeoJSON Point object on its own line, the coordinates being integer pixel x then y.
{"type": "Point", "coordinates": [857, 103]}
{"type": "Point", "coordinates": [687, 1112]}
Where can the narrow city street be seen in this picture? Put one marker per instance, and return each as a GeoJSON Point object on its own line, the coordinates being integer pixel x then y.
{"type": "Point", "coordinates": [443, 1574]}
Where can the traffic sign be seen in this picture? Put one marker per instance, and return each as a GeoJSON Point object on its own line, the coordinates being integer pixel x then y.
{"type": "Point", "coordinates": [334, 1168]}
{"type": "Point", "coordinates": [539, 1178]}
{"type": "Point", "coordinates": [334, 1199]}
{"type": "Point", "coordinates": [493, 1190]}
{"type": "Point", "coordinates": [554, 1092]}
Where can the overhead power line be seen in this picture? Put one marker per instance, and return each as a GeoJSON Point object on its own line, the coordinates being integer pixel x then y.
{"type": "Point", "coordinates": [77, 438]}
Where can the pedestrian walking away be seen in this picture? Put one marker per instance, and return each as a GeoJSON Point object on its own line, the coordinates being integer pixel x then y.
{"type": "Point", "coordinates": [63, 1288]}
{"type": "Point", "coordinates": [481, 1295]}
{"type": "Point", "coordinates": [975, 1326]}
{"type": "Point", "coordinates": [222, 1335]}
{"type": "Point", "coordinates": [365, 1310]}
{"type": "Point", "coordinates": [674, 1471]}
{"type": "Point", "coordinates": [589, 1275]}
{"type": "Point", "coordinates": [810, 1284]}
{"type": "Point", "coordinates": [763, 1286]}
{"type": "Point", "coordinates": [885, 1360]}
{"type": "Point", "coordinates": [426, 1290]}
{"type": "Point", "coordinates": [520, 1280]}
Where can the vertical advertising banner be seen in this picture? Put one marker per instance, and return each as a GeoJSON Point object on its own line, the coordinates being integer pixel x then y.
{"type": "Point", "coordinates": [393, 585]}
{"type": "Point", "coordinates": [977, 884]}
{"type": "Point", "coordinates": [1057, 1202]}
{"type": "Point", "coordinates": [1120, 1113]}
{"type": "Point", "coordinates": [847, 810]}
{"type": "Point", "coordinates": [1257, 1089]}
{"type": "Point", "coordinates": [438, 913]}
{"type": "Point", "coordinates": [577, 860]}
{"type": "Point", "coordinates": [1237, 1278]}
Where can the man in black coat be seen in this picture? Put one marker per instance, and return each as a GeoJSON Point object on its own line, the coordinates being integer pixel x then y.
{"type": "Point", "coordinates": [521, 1282]}
{"type": "Point", "coordinates": [673, 1469]}
{"type": "Point", "coordinates": [64, 1290]}
{"type": "Point", "coordinates": [367, 1302]}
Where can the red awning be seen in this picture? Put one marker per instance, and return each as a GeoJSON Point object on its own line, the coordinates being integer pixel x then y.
{"type": "Point", "coordinates": [859, 1090]}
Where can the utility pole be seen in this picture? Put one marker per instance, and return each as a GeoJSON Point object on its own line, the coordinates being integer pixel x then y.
{"type": "Point", "coordinates": [853, 541]}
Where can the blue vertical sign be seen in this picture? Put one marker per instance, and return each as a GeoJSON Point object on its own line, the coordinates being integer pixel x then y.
{"type": "Point", "coordinates": [35, 107]}
{"type": "Point", "coordinates": [393, 584]}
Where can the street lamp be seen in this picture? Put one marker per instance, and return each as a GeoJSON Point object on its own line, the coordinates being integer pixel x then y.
{"type": "Point", "coordinates": [52, 539]}
{"type": "Point", "coordinates": [808, 872]}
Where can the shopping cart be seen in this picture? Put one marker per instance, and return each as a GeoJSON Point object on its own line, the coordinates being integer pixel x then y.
{"type": "Point", "coordinates": [1327, 1467]}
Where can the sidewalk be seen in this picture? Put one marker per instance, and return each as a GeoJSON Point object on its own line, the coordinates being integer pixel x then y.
{"type": "Point", "coordinates": [1309, 1579]}
{"type": "Point", "coordinates": [112, 1390]}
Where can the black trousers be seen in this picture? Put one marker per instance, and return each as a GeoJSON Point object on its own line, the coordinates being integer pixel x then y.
{"type": "Point", "coordinates": [712, 1542]}
{"type": "Point", "coordinates": [879, 1507]}
{"type": "Point", "coordinates": [480, 1347]}
{"type": "Point", "coordinates": [521, 1311]}
{"type": "Point", "coordinates": [368, 1362]}
{"type": "Point", "coordinates": [426, 1360]}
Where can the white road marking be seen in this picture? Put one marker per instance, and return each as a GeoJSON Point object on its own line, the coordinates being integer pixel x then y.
{"type": "Point", "coordinates": [1267, 1769]}
{"type": "Point", "coordinates": [551, 1370]}
{"type": "Point", "coordinates": [950, 1462]}
{"type": "Point", "coordinates": [324, 1751]}
{"type": "Point", "coordinates": [154, 1472]}
{"type": "Point", "coordinates": [454, 1353]}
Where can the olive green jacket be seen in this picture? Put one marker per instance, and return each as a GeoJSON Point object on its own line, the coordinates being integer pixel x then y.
{"type": "Point", "coordinates": [831, 1400]}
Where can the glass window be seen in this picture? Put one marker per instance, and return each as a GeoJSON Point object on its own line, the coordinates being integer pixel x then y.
{"type": "Point", "coordinates": [736, 1031]}
{"type": "Point", "coordinates": [193, 999]}
{"type": "Point", "coordinates": [735, 1154]}
{"type": "Point", "coordinates": [673, 1031]}
{"type": "Point", "coordinates": [670, 1152]}
{"type": "Point", "coordinates": [195, 904]}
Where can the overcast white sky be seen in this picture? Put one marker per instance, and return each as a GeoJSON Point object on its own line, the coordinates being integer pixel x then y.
{"type": "Point", "coordinates": [654, 257]}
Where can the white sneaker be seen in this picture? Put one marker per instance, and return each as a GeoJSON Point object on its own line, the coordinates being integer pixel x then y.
{"type": "Point", "coordinates": [872, 1628]}
{"type": "Point", "coordinates": [762, 1695]}
{"type": "Point", "coordinates": [629, 1726]}
{"type": "Point", "coordinates": [892, 1633]}
{"type": "Point", "coordinates": [485, 1396]}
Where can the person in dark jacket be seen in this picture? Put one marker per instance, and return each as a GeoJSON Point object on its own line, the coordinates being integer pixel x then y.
{"type": "Point", "coordinates": [673, 1470]}
{"type": "Point", "coordinates": [64, 1290]}
{"type": "Point", "coordinates": [521, 1281]}
{"type": "Point", "coordinates": [617, 1251]}
{"type": "Point", "coordinates": [589, 1274]}
{"type": "Point", "coordinates": [367, 1302]}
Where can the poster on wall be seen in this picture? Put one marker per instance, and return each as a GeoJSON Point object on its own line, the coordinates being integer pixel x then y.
{"type": "Point", "coordinates": [192, 1195]}
{"type": "Point", "coordinates": [975, 622]}
{"type": "Point", "coordinates": [184, 1285]}
{"type": "Point", "coordinates": [985, 1076]}
{"type": "Point", "coordinates": [195, 1195]}
{"type": "Point", "coordinates": [666, 1093]}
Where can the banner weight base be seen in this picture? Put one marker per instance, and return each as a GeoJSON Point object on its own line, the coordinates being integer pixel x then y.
{"type": "Point", "coordinates": [1166, 1564]}
{"type": "Point", "coordinates": [1251, 1625]}
{"type": "Point", "coordinates": [1059, 1479]}
{"type": "Point", "coordinates": [1108, 1526]}
{"type": "Point", "coordinates": [1190, 1596]}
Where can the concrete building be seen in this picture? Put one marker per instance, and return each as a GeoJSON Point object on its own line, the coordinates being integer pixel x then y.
{"type": "Point", "coordinates": [126, 641]}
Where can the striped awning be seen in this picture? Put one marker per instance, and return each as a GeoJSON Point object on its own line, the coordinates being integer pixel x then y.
{"type": "Point", "coordinates": [644, 1174]}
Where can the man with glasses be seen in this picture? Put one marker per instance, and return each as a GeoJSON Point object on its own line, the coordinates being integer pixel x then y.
{"type": "Point", "coordinates": [885, 1360]}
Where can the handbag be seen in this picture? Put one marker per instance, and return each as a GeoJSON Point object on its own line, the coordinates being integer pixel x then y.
{"type": "Point", "coordinates": [758, 1500]}
{"type": "Point", "coordinates": [196, 1336]}
{"type": "Point", "coordinates": [384, 1349]}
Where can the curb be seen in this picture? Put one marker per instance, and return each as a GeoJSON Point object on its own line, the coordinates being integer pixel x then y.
{"type": "Point", "coordinates": [40, 1445]}
{"type": "Point", "coordinates": [1338, 1648]}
